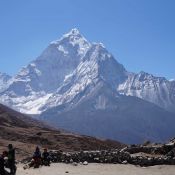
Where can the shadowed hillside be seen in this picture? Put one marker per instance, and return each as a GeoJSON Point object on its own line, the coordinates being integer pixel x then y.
{"type": "Point", "coordinates": [25, 133]}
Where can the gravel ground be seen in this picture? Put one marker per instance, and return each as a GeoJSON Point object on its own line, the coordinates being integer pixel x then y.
{"type": "Point", "coordinates": [97, 169]}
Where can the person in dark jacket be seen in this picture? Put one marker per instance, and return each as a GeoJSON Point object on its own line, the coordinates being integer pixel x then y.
{"type": "Point", "coordinates": [45, 158]}
{"type": "Point", "coordinates": [37, 153]}
{"type": "Point", "coordinates": [11, 159]}
{"type": "Point", "coordinates": [36, 161]}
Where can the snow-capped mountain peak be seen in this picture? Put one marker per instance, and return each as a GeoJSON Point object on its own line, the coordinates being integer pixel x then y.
{"type": "Point", "coordinates": [74, 39]}
{"type": "Point", "coordinates": [73, 31]}
{"type": "Point", "coordinates": [72, 65]}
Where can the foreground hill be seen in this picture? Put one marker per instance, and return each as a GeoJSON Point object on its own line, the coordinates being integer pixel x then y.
{"type": "Point", "coordinates": [25, 133]}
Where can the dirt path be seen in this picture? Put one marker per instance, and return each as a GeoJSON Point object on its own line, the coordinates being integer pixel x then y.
{"type": "Point", "coordinates": [97, 169]}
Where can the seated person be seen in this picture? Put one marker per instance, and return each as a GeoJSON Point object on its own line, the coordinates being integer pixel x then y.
{"type": "Point", "coordinates": [45, 158]}
{"type": "Point", "coordinates": [36, 161]}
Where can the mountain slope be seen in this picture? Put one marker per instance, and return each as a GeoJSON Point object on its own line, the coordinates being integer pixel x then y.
{"type": "Point", "coordinates": [25, 133]}
{"type": "Point", "coordinates": [105, 113]}
{"type": "Point", "coordinates": [157, 90]}
{"type": "Point", "coordinates": [35, 83]}
{"type": "Point", "coordinates": [97, 65]}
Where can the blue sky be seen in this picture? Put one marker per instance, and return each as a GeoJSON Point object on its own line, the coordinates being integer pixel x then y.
{"type": "Point", "coordinates": [139, 33]}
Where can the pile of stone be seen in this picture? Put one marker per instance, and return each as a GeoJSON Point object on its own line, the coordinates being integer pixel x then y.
{"type": "Point", "coordinates": [158, 154]}
{"type": "Point", "coordinates": [158, 149]}
{"type": "Point", "coordinates": [143, 155]}
{"type": "Point", "coordinates": [115, 156]}
{"type": "Point", "coordinates": [135, 154]}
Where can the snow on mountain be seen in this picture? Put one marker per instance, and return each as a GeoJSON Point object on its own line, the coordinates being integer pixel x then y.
{"type": "Point", "coordinates": [106, 114]}
{"type": "Point", "coordinates": [68, 62]}
{"type": "Point", "coordinates": [70, 67]}
{"type": "Point", "coordinates": [73, 76]}
{"type": "Point", "coordinates": [44, 75]}
{"type": "Point", "coordinates": [75, 39]}
{"type": "Point", "coordinates": [4, 81]}
{"type": "Point", "coordinates": [97, 65]}
{"type": "Point", "coordinates": [157, 90]}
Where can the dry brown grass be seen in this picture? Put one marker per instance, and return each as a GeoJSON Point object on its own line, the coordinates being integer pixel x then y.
{"type": "Point", "coordinates": [25, 133]}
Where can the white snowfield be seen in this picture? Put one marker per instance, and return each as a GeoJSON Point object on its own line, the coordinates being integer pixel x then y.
{"type": "Point", "coordinates": [97, 169]}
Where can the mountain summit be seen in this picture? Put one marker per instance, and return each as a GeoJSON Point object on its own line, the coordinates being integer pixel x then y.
{"type": "Point", "coordinates": [74, 76]}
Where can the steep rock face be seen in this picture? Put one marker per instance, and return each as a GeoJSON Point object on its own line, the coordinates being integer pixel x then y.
{"type": "Point", "coordinates": [35, 83]}
{"type": "Point", "coordinates": [157, 90]}
{"type": "Point", "coordinates": [104, 113]}
{"type": "Point", "coordinates": [48, 71]}
{"type": "Point", "coordinates": [97, 65]}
